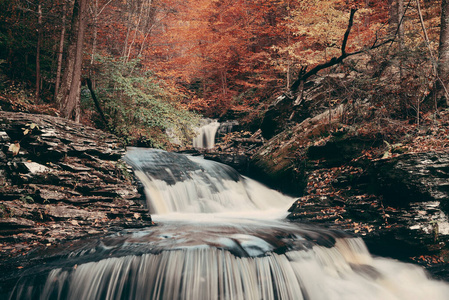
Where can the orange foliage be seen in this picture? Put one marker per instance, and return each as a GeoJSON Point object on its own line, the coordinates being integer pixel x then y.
{"type": "Point", "coordinates": [224, 54]}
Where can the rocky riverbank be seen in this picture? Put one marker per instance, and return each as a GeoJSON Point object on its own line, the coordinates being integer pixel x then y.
{"type": "Point", "coordinates": [61, 181]}
{"type": "Point", "coordinates": [384, 180]}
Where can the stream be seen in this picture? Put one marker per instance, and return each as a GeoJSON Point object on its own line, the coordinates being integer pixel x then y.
{"type": "Point", "coordinates": [220, 235]}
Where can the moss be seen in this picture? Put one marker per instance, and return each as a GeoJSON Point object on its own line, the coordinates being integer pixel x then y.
{"type": "Point", "coordinates": [122, 169]}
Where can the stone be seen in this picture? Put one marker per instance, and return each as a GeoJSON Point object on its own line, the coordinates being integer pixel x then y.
{"type": "Point", "coordinates": [34, 167]}
{"type": "Point", "coordinates": [64, 171]}
{"type": "Point", "coordinates": [15, 223]}
{"type": "Point", "coordinates": [408, 178]}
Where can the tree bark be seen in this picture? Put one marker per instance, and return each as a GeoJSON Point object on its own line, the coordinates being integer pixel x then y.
{"type": "Point", "coordinates": [38, 51]}
{"type": "Point", "coordinates": [393, 15]}
{"type": "Point", "coordinates": [75, 59]}
{"type": "Point", "coordinates": [61, 49]}
{"type": "Point", "coordinates": [443, 58]}
{"type": "Point", "coordinates": [400, 4]}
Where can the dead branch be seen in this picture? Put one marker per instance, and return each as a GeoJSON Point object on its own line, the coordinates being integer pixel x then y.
{"type": "Point", "coordinates": [303, 76]}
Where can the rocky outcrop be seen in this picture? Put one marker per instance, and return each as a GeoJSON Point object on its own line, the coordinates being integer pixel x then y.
{"type": "Point", "coordinates": [410, 178]}
{"type": "Point", "coordinates": [289, 109]}
{"type": "Point", "coordinates": [281, 162]}
{"type": "Point", "coordinates": [399, 205]}
{"type": "Point", "coordinates": [60, 180]}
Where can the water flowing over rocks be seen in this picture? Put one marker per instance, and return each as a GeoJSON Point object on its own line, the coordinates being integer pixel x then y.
{"type": "Point", "coordinates": [230, 242]}
{"type": "Point", "coordinates": [65, 182]}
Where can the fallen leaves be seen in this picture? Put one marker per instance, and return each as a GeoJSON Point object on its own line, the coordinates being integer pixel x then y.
{"type": "Point", "coordinates": [14, 148]}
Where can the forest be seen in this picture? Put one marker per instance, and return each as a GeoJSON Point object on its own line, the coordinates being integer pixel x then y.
{"type": "Point", "coordinates": [333, 158]}
{"type": "Point", "coordinates": [151, 65]}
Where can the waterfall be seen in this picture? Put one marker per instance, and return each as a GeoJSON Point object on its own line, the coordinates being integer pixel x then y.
{"type": "Point", "coordinates": [206, 134]}
{"type": "Point", "coordinates": [196, 185]}
{"type": "Point", "coordinates": [221, 235]}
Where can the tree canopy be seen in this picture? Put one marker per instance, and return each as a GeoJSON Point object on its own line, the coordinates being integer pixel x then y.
{"type": "Point", "coordinates": [154, 62]}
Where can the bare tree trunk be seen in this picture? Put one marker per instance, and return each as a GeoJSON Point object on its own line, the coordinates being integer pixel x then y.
{"type": "Point", "coordinates": [393, 15]}
{"type": "Point", "coordinates": [70, 102]}
{"type": "Point", "coordinates": [61, 49]}
{"type": "Point", "coordinates": [288, 43]}
{"type": "Point", "coordinates": [69, 62]}
{"type": "Point", "coordinates": [142, 5]}
{"type": "Point", "coordinates": [96, 13]}
{"type": "Point", "coordinates": [443, 58]}
{"type": "Point", "coordinates": [367, 19]}
{"type": "Point", "coordinates": [38, 51]}
{"type": "Point", "coordinates": [400, 4]}
{"type": "Point", "coordinates": [94, 40]}
{"type": "Point", "coordinates": [129, 12]}
{"type": "Point", "coordinates": [95, 33]}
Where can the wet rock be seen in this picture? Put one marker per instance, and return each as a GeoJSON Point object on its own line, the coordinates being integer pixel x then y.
{"type": "Point", "coordinates": [235, 160]}
{"type": "Point", "coordinates": [68, 212]}
{"type": "Point", "coordinates": [74, 168]}
{"type": "Point", "coordinates": [15, 223]}
{"type": "Point", "coordinates": [66, 182]}
{"type": "Point", "coordinates": [409, 178]}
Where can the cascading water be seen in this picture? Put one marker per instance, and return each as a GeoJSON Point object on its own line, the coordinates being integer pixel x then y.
{"type": "Point", "coordinates": [206, 134]}
{"type": "Point", "coordinates": [220, 236]}
{"type": "Point", "coordinates": [196, 185]}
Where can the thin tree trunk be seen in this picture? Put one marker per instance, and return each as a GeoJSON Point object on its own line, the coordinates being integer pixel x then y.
{"type": "Point", "coordinates": [393, 15]}
{"type": "Point", "coordinates": [61, 49]}
{"type": "Point", "coordinates": [288, 44]}
{"type": "Point", "coordinates": [95, 33]}
{"type": "Point", "coordinates": [426, 38]}
{"type": "Point", "coordinates": [135, 31]}
{"type": "Point", "coordinates": [97, 104]}
{"type": "Point", "coordinates": [73, 96]}
{"type": "Point", "coordinates": [96, 14]}
{"type": "Point", "coordinates": [367, 19]}
{"type": "Point", "coordinates": [400, 4]}
{"type": "Point", "coordinates": [94, 41]}
{"type": "Point", "coordinates": [125, 46]}
{"type": "Point", "coordinates": [443, 59]}
{"type": "Point", "coordinates": [38, 51]}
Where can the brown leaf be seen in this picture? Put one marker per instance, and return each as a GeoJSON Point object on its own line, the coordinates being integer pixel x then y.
{"type": "Point", "coordinates": [14, 148]}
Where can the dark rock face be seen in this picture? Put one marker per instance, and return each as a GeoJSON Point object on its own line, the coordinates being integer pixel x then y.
{"type": "Point", "coordinates": [276, 116]}
{"type": "Point", "coordinates": [412, 178]}
{"type": "Point", "coordinates": [235, 160]}
{"type": "Point", "coordinates": [339, 151]}
{"type": "Point", "coordinates": [66, 181]}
